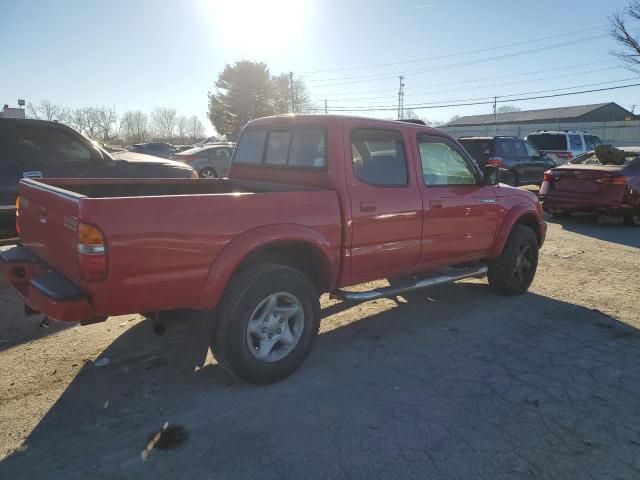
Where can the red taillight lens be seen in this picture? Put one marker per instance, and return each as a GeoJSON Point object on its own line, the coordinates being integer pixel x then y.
{"type": "Point", "coordinates": [547, 177]}
{"type": "Point", "coordinates": [495, 161]}
{"type": "Point", "coordinates": [18, 215]}
{"type": "Point", "coordinates": [92, 252]}
{"type": "Point", "coordinates": [617, 180]}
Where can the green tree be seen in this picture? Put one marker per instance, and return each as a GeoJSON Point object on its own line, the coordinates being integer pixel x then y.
{"type": "Point", "coordinates": [244, 92]}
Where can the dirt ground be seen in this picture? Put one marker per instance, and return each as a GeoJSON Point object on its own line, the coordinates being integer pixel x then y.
{"type": "Point", "coordinates": [465, 385]}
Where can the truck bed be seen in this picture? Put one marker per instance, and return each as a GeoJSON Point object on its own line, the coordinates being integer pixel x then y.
{"type": "Point", "coordinates": [164, 237]}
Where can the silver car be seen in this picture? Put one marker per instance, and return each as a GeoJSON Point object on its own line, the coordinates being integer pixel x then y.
{"type": "Point", "coordinates": [210, 161]}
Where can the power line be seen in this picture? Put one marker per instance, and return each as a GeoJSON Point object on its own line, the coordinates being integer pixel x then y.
{"type": "Point", "coordinates": [473, 80]}
{"type": "Point", "coordinates": [506, 96]}
{"type": "Point", "coordinates": [371, 78]}
{"type": "Point", "coordinates": [513, 100]}
{"type": "Point", "coordinates": [432, 92]}
{"type": "Point", "coordinates": [468, 52]}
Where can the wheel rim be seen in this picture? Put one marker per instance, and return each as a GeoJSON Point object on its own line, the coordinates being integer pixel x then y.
{"type": "Point", "coordinates": [207, 173]}
{"type": "Point", "coordinates": [275, 327]}
{"type": "Point", "coordinates": [523, 263]}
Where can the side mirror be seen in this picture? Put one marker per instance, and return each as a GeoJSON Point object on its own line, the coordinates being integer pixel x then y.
{"type": "Point", "coordinates": [491, 175]}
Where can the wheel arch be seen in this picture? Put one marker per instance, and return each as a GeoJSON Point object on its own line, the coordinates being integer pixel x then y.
{"type": "Point", "coordinates": [521, 214]}
{"type": "Point", "coordinates": [293, 245]}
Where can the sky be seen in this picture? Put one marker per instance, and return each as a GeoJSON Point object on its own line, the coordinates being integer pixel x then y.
{"type": "Point", "coordinates": [138, 55]}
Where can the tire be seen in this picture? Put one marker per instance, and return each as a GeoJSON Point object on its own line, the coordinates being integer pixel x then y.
{"type": "Point", "coordinates": [632, 220]}
{"type": "Point", "coordinates": [208, 172]}
{"type": "Point", "coordinates": [509, 274]}
{"type": "Point", "coordinates": [510, 178]}
{"type": "Point", "coordinates": [242, 342]}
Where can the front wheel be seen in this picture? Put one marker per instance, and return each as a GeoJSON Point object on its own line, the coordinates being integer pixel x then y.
{"type": "Point", "coordinates": [513, 271]}
{"type": "Point", "coordinates": [267, 323]}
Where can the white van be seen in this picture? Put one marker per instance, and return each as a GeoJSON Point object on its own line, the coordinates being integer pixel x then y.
{"type": "Point", "coordinates": [564, 145]}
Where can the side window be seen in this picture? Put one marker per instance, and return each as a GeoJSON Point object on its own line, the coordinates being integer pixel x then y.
{"type": "Point", "coordinates": [250, 147]}
{"type": "Point", "coordinates": [520, 148]}
{"type": "Point", "coordinates": [378, 158]}
{"type": "Point", "coordinates": [592, 141]}
{"type": "Point", "coordinates": [531, 150]}
{"type": "Point", "coordinates": [505, 147]}
{"type": "Point", "coordinates": [38, 148]}
{"type": "Point", "coordinates": [575, 142]}
{"type": "Point", "coordinates": [442, 164]}
{"type": "Point", "coordinates": [278, 148]}
{"type": "Point", "coordinates": [308, 148]}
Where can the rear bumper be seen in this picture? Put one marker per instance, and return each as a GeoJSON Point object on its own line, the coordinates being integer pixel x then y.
{"type": "Point", "coordinates": [561, 204]}
{"type": "Point", "coordinates": [45, 290]}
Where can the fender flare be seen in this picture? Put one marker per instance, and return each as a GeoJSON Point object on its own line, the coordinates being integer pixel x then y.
{"type": "Point", "coordinates": [513, 216]}
{"type": "Point", "coordinates": [238, 249]}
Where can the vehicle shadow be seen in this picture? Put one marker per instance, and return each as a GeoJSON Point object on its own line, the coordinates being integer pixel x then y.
{"type": "Point", "coordinates": [458, 387]}
{"type": "Point", "coordinates": [588, 226]}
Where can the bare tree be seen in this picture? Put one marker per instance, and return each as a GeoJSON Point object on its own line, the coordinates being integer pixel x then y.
{"type": "Point", "coordinates": [47, 110]}
{"type": "Point", "coordinates": [182, 128]}
{"type": "Point", "coordinates": [620, 30]}
{"type": "Point", "coordinates": [195, 128]}
{"type": "Point", "coordinates": [163, 122]}
{"type": "Point", "coordinates": [107, 120]}
{"type": "Point", "coordinates": [86, 120]}
{"type": "Point", "coordinates": [508, 109]}
{"type": "Point", "coordinates": [134, 127]}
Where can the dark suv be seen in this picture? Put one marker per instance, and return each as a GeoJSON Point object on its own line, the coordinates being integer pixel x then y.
{"type": "Point", "coordinates": [520, 162]}
{"type": "Point", "coordinates": [38, 148]}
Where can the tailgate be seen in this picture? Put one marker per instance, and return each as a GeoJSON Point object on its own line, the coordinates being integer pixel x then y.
{"type": "Point", "coordinates": [578, 180]}
{"type": "Point", "coordinates": [48, 218]}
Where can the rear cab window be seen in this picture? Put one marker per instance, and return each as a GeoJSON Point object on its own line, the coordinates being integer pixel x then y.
{"type": "Point", "coordinates": [297, 147]}
{"type": "Point", "coordinates": [548, 141]}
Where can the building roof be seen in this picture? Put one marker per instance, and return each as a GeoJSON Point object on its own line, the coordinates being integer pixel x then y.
{"type": "Point", "coordinates": [546, 114]}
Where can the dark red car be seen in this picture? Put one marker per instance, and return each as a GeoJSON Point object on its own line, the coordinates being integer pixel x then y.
{"type": "Point", "coordinates": [591, 186]}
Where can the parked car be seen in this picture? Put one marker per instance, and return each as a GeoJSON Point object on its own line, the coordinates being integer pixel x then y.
{"type": "Point", "coordinates": [520, 161]}
{"type": "Point", "coordinates": [563, 146]}
{"type": "Point", "coordinates": [210, 161]}
{"type": "Point", "coordinates": [41, 149]}
{"type": "Point", "coordinates": [156, 149]}
{"type": "Point", "coordinates": [312, 204]}
{"type": "Point", "coordinates": [592, 185]}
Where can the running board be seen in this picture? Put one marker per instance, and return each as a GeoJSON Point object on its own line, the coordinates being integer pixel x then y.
{"type": "Point", "coordinates": [475, 272]}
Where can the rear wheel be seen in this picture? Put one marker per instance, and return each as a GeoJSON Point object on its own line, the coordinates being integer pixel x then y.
{"type": "Point", "coordinates": [208, 172]}
{"type": "Point", "coordinates": [267, 323]}
{"type": "Point", "coordinates": [632, 220]}
{"type": "Point", "coordinates": [513, 271]}
{"type": "Point", "coordinates": [509, 177]}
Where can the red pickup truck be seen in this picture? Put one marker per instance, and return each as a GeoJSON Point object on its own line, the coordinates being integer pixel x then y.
{"type": "Point", "coordinates": [312, 204]}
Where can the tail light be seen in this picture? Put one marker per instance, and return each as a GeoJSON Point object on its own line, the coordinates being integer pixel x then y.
{"type": "Point", "coordinates": [495, 161]}
{"type": "Point", "coordinates": [18, 215]}
{"type": "Point", "coordinates": [92, 252]}
{"type": "Point", "coordinates": [548, 176]}
{"type": "Point", "coordinates": [616, 180]}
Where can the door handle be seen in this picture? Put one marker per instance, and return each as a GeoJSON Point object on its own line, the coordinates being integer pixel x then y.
{"type": "Point", "coordinates": [367, 206]}
{"type": "Point", "coordinates": [435, 203]}
{"type": "Point", "coordinates": [32, 174]}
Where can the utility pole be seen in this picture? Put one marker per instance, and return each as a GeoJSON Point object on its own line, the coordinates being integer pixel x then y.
{"type": "Point", "coordinates": [293, 98]}
{"type": "Point", "coordinates": [495, 113]}
{"type": "Point", "coordinates": [326, 109]}
{"type": "Point", "coordinates": [401, 99]}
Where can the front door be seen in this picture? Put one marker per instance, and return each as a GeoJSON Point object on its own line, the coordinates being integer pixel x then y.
{"type": "Point", "coordinates": [460, 214]}
{"type": "Point", "coordinates": [386, 204]}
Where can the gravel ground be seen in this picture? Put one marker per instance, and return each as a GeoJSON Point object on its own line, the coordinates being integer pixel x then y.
{"type": "Point", "coordinates": [465, 385]}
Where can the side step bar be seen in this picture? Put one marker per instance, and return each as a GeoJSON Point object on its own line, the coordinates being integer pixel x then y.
{"type": "Point", "coordinates": [392, 291]}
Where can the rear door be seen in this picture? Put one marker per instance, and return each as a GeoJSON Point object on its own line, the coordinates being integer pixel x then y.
{"type": "Point", "coordinates": [386, 205]}
{"type": "Point", "coordinates": [513, 156]}
{"type": "Point", "coordinates": [576, 144]}
{"type": "Point", "coordinates": [460, 214]}
{"type": "Point", "coordinates": [539, 162]}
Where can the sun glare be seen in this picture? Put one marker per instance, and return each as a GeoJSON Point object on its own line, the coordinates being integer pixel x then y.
{"type": "Point", "coordinates": [257, 24]}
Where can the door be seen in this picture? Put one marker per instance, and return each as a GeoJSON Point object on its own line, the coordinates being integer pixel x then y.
{"type": "Point", "coordinates": [460, 214]}
{"type": "Point", "coordinates": [514, 159]}
{"type": "Point", "coordinates": [540, 163]}
{"type": "Point", "coordinates": [50, 152]}
{"type": "Point", "coordinates": [386, 204]}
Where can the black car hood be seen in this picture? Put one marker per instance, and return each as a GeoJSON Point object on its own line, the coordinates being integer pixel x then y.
{"type": "Point", "coordinates": [141, 165]}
